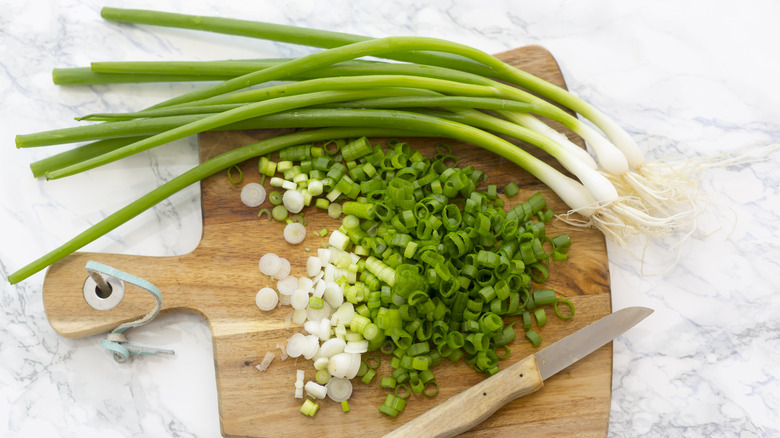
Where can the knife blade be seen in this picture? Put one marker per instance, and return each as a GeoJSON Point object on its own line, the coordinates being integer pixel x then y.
{"type": "Point", "coordinates": [469, 408]}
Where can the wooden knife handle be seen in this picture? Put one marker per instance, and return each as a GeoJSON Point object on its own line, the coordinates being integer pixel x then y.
{"type": "Point", "coordinates": [471, 407]}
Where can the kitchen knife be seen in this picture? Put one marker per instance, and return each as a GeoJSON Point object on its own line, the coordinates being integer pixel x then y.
{"type": "Point", "coordinates": [469, 408]}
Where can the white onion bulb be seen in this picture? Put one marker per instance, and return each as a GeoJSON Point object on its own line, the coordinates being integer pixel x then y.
{"type": "Point", "coordinates": [270, 264]}
{"type": "Point", "coordinates": [332, 347]}
{"type": "Point", "coordinates": [339, 389]}
{"type": "Point", "coordinates": [294, 233]}
{"type": "Point", "coordinates": [315, 390]}
{"type": "Point", "coordinates": [253, 194]}
{"type": "Point", "coordinates": [284, 269]}
{"type": "Point", "coordinates": [293, 201]}
{"type": "Point", "coordinates": [296, 344]}
{"type": "Point", "coordinates": [266, 299]}
{"type": "Point", "coordinates": [287, 285]}
{"type": "Point", "coordinates": [299, 299]}
{"type": "Point", "coordinates": [313, 266]}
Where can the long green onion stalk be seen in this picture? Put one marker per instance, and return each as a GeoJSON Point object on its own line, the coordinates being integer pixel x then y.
{"type": "Point", "coordinates": [343, 75]}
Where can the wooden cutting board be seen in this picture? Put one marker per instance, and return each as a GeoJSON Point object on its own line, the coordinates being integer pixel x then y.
{"type": "Point", "coordinates": [220, 278]}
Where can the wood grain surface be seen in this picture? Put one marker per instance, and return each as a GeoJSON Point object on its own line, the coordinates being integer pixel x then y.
{"type": "Point", "coordinates": [220, 278]}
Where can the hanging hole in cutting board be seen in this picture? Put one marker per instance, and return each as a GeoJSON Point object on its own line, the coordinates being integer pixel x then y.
{"type": "Point", "coordinates": [100, 299]}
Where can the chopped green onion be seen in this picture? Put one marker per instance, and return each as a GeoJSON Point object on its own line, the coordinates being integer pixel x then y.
{"type": "Point", "coordinates": [322, 376]}
{"type": "Point", "coordinates": [533, 337]}
{"type": "Point", "coordinates": [230, 175]}
{"type": "Point", "coordinates": [431, 388]}
{"type": "Point", "coordinates": [388, 383]}
{"type": "Point", "coordinates": [334, 210]}
{"type": "Point", "coordinates": [511, 189]}
{"type": "Point", "coordinates": [264, 211]}
{"type": "Point", "coordinates": [387, 410]}
{"type": "Point", "coordinates": [279, 213]}
{"type": "Point", "coordinates": [309, 408]}
{"type": "Point", "coordinates": [544, 296]}
{"type": "Point", "coordinates": [568, 303]}
{"type": "Point", "coordinates": [370, 373]}
{"type": "Point", "coordinates": [541, 316]}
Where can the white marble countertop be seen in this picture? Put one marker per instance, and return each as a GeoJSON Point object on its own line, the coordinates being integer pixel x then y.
{"type": "Point", "coordinates": [685, 78]}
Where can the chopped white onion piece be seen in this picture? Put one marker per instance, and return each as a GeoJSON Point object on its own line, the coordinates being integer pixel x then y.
{"type": "Point", "coordinates": [299, 316]}
{"type": "Point", "coordinates": [299, 299]}
{"type": "Point", "coordinates": [312, 346]}
{"type": "Point", "coordinates": [345, 312]}
{"type": "Point", "coordinates": [315, 187]}
{"type": "Point", "coordinates": [332, 347]}
{"type": "Point", "coordinates": [270, 264]}
{"type": "Point", "coordinates": [340, 331]}
{"type": "Point", "coordinates": [296, 345]}
{"type": "Point", "coordinates": [294, 233]}
{"type": "Point", "coordinates": [338, 240]}
{"type": "Point", "coordinates": [315, 390]}
{"type": "Point", "coordinates": [284, 352]}
{"type": "Point", "coordinates": [284, 269]}
{"type": "Point", "coordinates": [299, 375]}
{"type": "Point", "coordinates": [319, 288]}
{"type": "Point", "coordinates": [354, 365]}
{"type": "Point", "coordinates": [321, 363]}
{"type": "Point", "coordinates": [344, 365]}
{"type": "Point", "coordinates": [334, 294]}
{"type": "Point", "coordinates": [353, 336]}
{"type": "Point", "coordinates": [329, 273]}
{"type": "Point", "coordinates": [324, 330]}
{"type": "Point", "coordinates": [253, 194]}
{"type": "Point", "coordinates": [266, 361]}
{"type": "Point", "coordinates": [312, 327]}
{"type": "Point", "coordinates": [313, 266]}
{"type": "Point", "coordinates": [293, 201]}
{"type": "Point", "coordinates": [306, 284]}
{"type": "Point", "coordinates": [288, 319]}
{"type": "Point", "coordinates": [266, 299]}
{"type": "Point", "coordinates": [339, 389]}
{"type": "Point", "coordinates": [318, 314]}
{"type": "Point", "coordinates": [324, 255]}
{"type": "Point", "coordinates": [284, 300]}
{"type": "Point", "coordinates": [287, 285]}
{"type": "Point", "coordinates": [339, 365]}
{"type": "Point", "coordinates": [356, 347]}
{"type": "Point", "coordinates": [289, 185]}
{"type": "Point", "coordinates": [298, 392]}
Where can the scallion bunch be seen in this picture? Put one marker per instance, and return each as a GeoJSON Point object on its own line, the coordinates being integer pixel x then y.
{"type": "Point", "coordinates": [439, 88]}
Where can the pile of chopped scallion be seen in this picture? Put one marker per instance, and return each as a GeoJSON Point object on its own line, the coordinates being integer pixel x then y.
{"type": "Point", "coordinates": [424, 267]}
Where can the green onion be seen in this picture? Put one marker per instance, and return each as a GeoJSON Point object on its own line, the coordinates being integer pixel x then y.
{"type": "Point", "coordinates": [533, 337]}
{"type": "Point", "coordinates": [568, 303]}
{"type": "Point", "coordinates": [279, 213]}
{"type": "Point", "coordinates": [309, 408]}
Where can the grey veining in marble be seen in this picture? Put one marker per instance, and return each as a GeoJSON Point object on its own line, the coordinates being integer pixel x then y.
{"type": "Point", "coordinates": [686, 78]}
